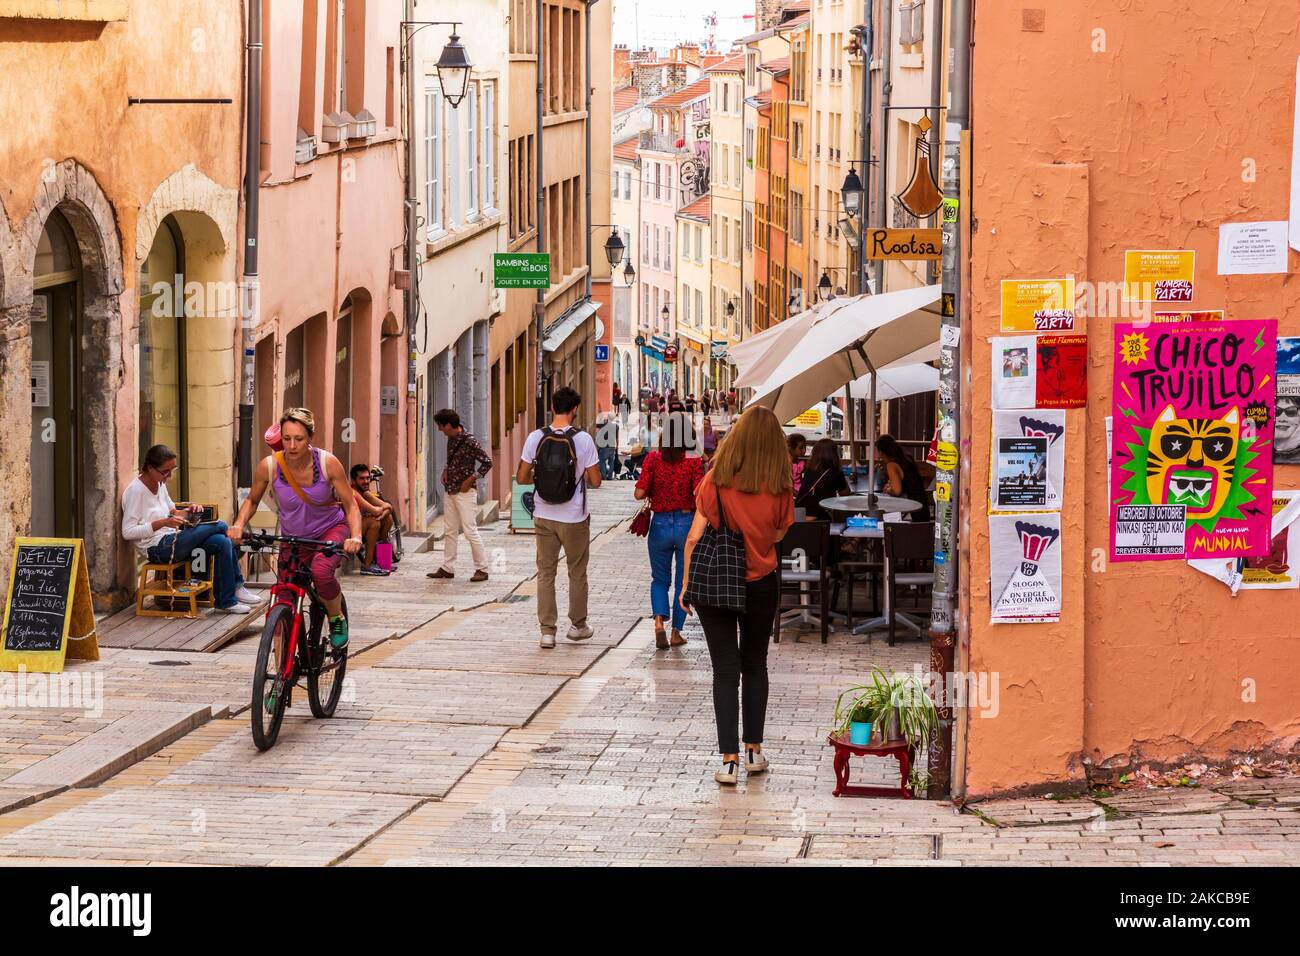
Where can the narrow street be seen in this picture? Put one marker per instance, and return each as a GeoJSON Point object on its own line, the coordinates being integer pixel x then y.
{"type": "Point", "coordinates": [460, 741]}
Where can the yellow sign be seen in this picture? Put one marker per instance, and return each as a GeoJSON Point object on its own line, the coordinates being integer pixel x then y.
{"type": "Point", "coordinates": [809, 419]}
{"type": "Point", "coordinates": [899, 244]}
{"type": "Point", "coordinates": [1037, 305]}
{"type": "Point", "coordinates": [1159, 275]}
{"type": "Point", "coordinates": [48, 613]}
{"type": "Point", "coordinates": [945, 458]}
{"type": "Point", "coordinates": [942, 491]}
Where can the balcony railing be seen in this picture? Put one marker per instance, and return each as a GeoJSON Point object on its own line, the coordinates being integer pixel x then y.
{"type": "Point", "coordinates": [662, 142]}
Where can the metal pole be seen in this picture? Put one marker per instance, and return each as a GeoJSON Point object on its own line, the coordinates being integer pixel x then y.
{"type": "Point", "coordinates": [942, 624]}
{"type": "Point", "coordinates": [886, 90]}
{"type": "Point", "coordinates": [539, 242]}
{"type": "Point", "coordinates": [867, 41]}
{"type": "Point", "coordinates": [871, 452]}
{"type": "Point", "coordinates": [250, 286]}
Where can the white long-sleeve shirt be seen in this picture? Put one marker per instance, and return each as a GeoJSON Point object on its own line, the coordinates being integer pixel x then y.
{"type": "Point", "coordinates": [140, 509]}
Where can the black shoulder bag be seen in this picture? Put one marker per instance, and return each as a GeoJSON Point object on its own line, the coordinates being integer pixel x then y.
{"type": "Point", "coordinates": [717, 577]}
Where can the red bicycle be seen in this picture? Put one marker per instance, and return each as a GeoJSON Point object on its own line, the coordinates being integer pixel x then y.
{"type": "Point", "coordinates": [295, 640]}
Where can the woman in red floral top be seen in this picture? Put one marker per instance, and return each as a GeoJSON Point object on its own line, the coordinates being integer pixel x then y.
{"type": "Point", "coordinates": [669, 478]}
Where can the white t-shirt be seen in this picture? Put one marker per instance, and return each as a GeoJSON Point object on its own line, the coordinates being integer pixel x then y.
{"type": "Point", "coordinates": [140, 508]}
{"type": "Point", "coordinates": [573, 511]}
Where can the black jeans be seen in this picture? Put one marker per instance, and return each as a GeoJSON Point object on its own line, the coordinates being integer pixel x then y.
{"type": "Point", "coordinates": [745, 657]}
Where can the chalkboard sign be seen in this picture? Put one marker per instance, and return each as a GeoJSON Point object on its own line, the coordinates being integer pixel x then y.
{"type": "Point", "coordinates": [48, 609]}
{"type": "Point", "coordinates": [38, 597]}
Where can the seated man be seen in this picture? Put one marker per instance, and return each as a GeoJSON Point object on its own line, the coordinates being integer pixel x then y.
{"type": "Point", "coordinates": [164, 533]}
{"type": "Point", "coordinates": [376, 517]}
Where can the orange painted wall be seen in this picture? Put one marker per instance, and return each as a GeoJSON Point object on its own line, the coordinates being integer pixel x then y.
{"type": "Point", "coordinates": [1167, 105]}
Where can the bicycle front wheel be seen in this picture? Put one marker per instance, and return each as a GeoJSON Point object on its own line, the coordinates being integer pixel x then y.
{"type": "Point", "coordinates": [270, 691]}
{"type": "Point", "coordinates": [328, 665]}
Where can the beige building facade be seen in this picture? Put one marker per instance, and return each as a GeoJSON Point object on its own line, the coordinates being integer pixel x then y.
{"type": "Point", "coordinates": [119, 265]}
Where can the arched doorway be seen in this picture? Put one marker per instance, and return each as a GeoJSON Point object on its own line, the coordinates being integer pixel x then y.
{"type": "Point", "coordinates": [58, 421]}
{"type": "Point", "coordinates": [162, 358]}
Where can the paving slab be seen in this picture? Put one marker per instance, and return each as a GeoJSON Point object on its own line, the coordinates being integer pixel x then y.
{"type": "Point", "coordinates": [221, 826]}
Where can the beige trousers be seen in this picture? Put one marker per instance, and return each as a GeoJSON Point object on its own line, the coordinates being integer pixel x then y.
{"type": "Point", "coordinates": [574, 539]}
{"type": "Point", "coordinates": [460, 515]}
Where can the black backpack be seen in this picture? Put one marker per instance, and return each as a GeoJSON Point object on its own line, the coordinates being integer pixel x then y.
{"type": "Point", "coordinates": [555, 469]}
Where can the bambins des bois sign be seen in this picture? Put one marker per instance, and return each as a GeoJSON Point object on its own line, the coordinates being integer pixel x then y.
{"type": "Point", "coordinates": [521, 270]}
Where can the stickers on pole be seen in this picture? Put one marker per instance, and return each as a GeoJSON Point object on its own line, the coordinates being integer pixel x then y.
{"type": "Point", "coordinates": [1192, 474]}
{"type": "Point", "coordinates": [1027, 461]}
{"type": "Point", "coordinates": [1037, 305]}
{"type": "Point", "coordinates": [1159, 275]}
{"type": "Point", "coordinates": [1025, 568]}
{"type": "Point", "coordinates": [1040, 371]}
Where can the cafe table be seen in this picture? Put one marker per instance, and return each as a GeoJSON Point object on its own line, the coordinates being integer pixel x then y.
{"type": "Point", "coordinates": [840, 529]}
{"type": "Point", "coordinates": [865, 504]}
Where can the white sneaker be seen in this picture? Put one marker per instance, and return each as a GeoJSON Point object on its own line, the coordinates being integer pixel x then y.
{"type": "Point", "coordinates": [580, 633]}
{"type": "Point", "coordinates": [548, 640]}
{"type": "Point", "coordinates": [245, 596]}
{"type": "Point", "coordinates": [236, 608]}
{"type": "Point", "coordinates": [727, 775]}
{"type": "Point", "coordinates": [755, 762]}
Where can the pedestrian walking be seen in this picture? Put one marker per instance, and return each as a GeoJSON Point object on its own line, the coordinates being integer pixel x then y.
{"type": "Point", "coordinates": [607, 445]}
{"type": "Point", "coordinates": [748, 490]}
{"type": "Point", "coordinates": [722, 405]}
{"type": "Point", "coordinates": [669, 479]}
{"type": "Point", "coordinates": [708, 440]}
{"type": "Point", "coordinates": [690, 405]}
{"type": "Point", "coordinates": [561, 462]}
{"type": "Point", "coordinates": [706, 403]}
{"type": "Point", "coordinates": [466, 463]}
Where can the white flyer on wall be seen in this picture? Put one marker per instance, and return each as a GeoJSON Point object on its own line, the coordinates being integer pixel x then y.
{"type": "Point", "coordinates": [1013, 371]}
{"type": "Point", "coordinates": [1044, 423]}
{"type": "Point", "coordinates": [1025, 568]}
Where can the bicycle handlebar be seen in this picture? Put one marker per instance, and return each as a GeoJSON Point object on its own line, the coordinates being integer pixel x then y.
{"type": "Point", "coordinates": [257, 541]}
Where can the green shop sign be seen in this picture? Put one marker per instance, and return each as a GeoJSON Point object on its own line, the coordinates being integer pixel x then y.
{"type": "Point", "coordinates": [521, 270]}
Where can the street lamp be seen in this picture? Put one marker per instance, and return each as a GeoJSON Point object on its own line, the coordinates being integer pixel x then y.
{"type": "Point", "coordinates": [824, 287]}
{"type": "Point", "coordinates": [852, 192]}
{"type": "Point", "coordinates": [453, 70]}
{"type": "Point", "coordinates": [453, 65]}
{"type": "Point", "coordinates": [614, 249]}
{"type": "Point", "coordinates": [731, 308]}
{"type": "Point", "coordinates": [629, 274]}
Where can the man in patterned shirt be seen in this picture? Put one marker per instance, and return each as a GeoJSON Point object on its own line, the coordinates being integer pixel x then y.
{"type": "Point", "coordinates": [466, 463]}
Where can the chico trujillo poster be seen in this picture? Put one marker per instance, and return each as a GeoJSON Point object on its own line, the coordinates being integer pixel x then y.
{"type": "Point", "coordinates": [1192, 464]}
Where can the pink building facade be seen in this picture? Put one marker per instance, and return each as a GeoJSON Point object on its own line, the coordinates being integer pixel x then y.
{"type": "Point", "coordinates": [330, 334]}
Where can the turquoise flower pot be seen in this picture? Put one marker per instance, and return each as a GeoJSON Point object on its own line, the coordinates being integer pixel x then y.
{"type": "Point", "coordinates": [859, 733]}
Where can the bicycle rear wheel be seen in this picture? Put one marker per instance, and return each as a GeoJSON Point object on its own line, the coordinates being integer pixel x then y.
{"type": "Point", "coordinates": [328, 665]}
{"type": "Point", "coordinates": [270, 693]}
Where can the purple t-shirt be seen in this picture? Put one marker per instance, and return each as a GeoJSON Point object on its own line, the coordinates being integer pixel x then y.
{"type": "Point", "coordinates": [299, 519]}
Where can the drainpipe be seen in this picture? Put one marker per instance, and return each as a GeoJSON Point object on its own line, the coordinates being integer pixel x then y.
{"type": "Point", "coordinates": [886, 90]}
{"type": "Point", "coordinates": [539, 242]}
{"type": "Point", "coordinates": [943, 632]}
{"type": "Point", "coordinates": [936, 93]}
{"type": "Point", "coordinates": [586, 30]}
{"type": "Point", "coordinates": [411, 302]}
{"type": "Point", "coordinates": [250, 285]}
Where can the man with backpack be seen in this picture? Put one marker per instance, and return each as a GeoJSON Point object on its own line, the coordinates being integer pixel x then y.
{"type": "Point", "coordinates": [561, 462]}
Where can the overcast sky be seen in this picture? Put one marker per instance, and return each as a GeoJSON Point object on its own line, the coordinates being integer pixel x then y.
{"type": "Point", "coordinates": [664, 23]}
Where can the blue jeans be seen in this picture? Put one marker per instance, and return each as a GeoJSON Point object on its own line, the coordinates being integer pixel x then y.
{"type": "Point", "coordinates": [608, 461]}
{"type": "Point", "coordinates": [211, 537]}
{"type": "Point", "coordinates": [667, 540]}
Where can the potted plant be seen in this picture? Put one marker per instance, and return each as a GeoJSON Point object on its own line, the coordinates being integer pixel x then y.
{"type": "Point", "coordinates": [860, 721]}
{"type": "Point", "coordinates": [904, 711]}
{"type": "Point", "coordinates": [854, 707]}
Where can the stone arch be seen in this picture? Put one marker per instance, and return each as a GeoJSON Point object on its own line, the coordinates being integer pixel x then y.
{"type": "Point", "coordinates": [206, 215]}
{"type": "Point", "coordinates": [72, 189]}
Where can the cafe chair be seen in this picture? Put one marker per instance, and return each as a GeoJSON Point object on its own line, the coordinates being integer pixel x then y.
{"type": "Point", "coordinates": [803, 569]}
{"type": "Point", "coordinates": [909, 563]}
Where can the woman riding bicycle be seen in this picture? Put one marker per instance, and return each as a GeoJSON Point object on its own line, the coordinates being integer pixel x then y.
{"type": "Point", "coordinates": [311, 489]}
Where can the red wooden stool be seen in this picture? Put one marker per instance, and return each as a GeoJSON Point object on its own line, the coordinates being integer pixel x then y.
{"type": "Point", "coordinates": [903, 752]}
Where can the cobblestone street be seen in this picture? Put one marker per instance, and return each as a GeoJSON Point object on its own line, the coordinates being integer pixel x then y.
{"type": "Point", "coordinates": [459, 741]}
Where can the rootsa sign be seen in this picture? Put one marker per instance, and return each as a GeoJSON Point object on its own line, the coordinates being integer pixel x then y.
{"type": "Point", "coordinates": [904, 244]}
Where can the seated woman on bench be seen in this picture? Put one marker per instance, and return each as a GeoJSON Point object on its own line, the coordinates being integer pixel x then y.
{"type": "Point", "coordinates": [165, 534]}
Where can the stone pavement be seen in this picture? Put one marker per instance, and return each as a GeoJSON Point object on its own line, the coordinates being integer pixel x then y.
{"type": "Point", "coordinates": [459, 741]}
